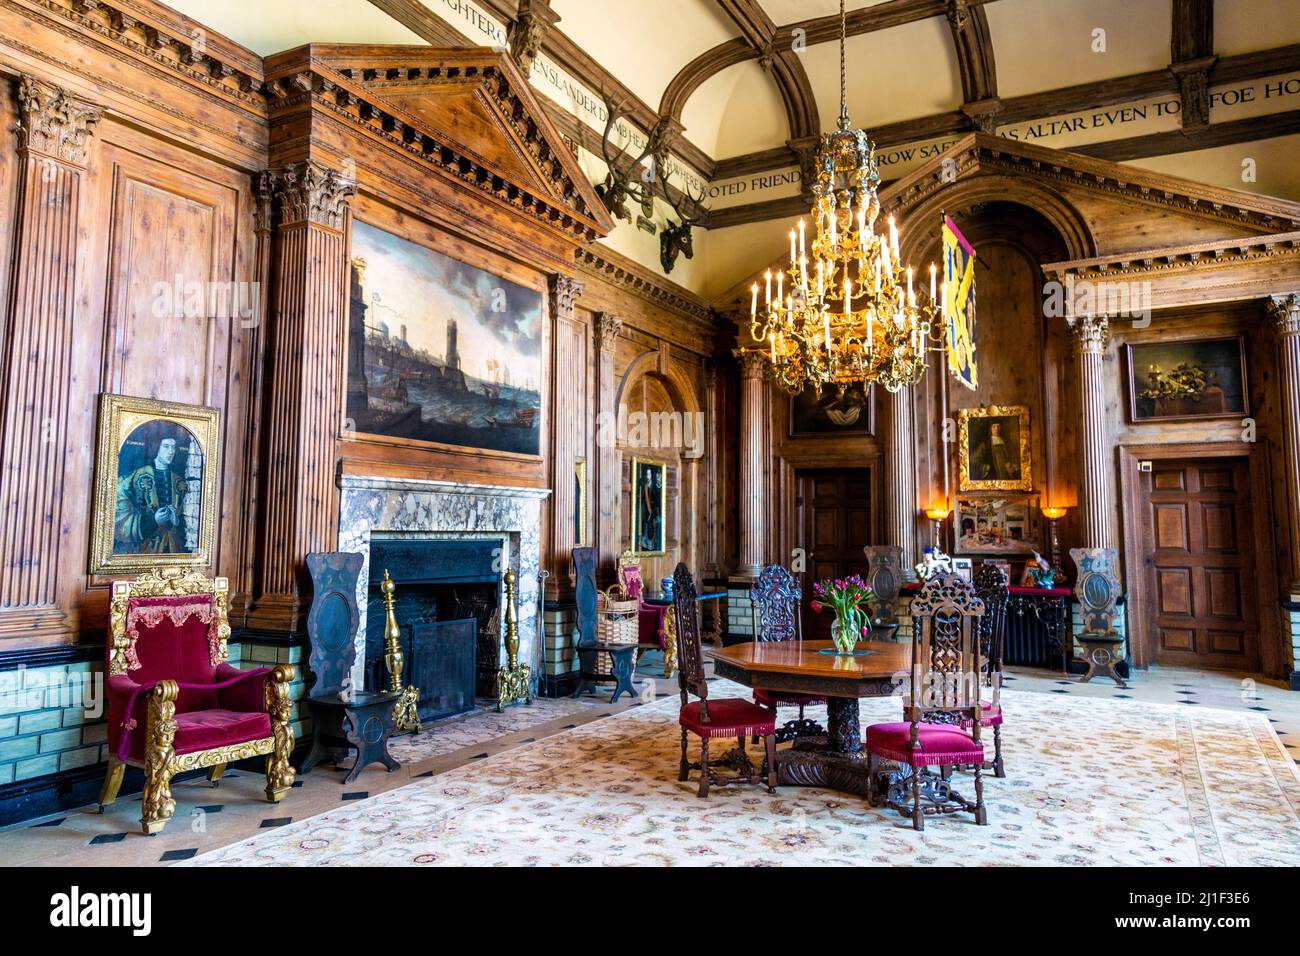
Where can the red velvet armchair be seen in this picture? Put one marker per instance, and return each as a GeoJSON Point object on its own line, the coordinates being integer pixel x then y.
{"type": "Point", "coordinates": [174, 704]}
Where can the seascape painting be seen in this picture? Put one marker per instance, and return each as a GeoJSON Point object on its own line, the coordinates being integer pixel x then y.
{"type": "Point", "coordinates": [439, 350]}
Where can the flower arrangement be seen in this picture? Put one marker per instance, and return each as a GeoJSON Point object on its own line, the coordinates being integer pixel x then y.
{"type": "Point", "coordinates": [850, 599]}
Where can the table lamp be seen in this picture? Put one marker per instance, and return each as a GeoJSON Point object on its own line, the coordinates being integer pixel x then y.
{"type": "Point", "coordinates": [938, 515]}
{"type": "Point", "coordinates": [1053, 514]}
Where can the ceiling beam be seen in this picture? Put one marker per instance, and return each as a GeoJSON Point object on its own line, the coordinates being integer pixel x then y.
{"type": "Point", "coordinates": [973, 44]}
{"type": "Point", "coordinates": [1191, 57]}
{"type": "Point", "coordinates": [779, 60]}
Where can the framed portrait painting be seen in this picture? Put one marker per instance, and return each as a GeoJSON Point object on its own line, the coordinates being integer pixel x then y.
{"type": "Point", "coordinates": [1194, 378]}
{"type": "Point", "coordinates": [649, 506]}
{"type": "Point", "coordinates": [155, 485]}
{"type": "Point", "coordinates": [993, 449]}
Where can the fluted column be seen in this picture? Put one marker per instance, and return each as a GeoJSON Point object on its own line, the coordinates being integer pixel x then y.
{"type": "Point", "coordinates": [609, 465]}
{"type": "Point", "coordinates": [1285, 310]}
{"type": "Point", "coordinates": [54, 138]}
{"type": "Point", "coordinates": [754, 500]}
{"type": "Point", "coordinates": [308, 326]}
{"type": "Point", "coordinates": [900, 478]}
{"type": "Point", "coordinates": [566, 427]}
{"type": "Point", "coordinates": [1096, 501]}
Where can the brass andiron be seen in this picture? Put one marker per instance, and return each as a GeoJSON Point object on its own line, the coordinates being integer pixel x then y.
{"type": "Point", "coordinates": [405, 713]}
{"type": "Point", "coordinates": [514, 681]}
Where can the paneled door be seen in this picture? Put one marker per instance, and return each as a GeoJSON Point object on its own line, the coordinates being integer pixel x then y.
{"type": "Point", "coordinates": [1200, 563]}
{"type": "Point", "coordinates": [835, 505]}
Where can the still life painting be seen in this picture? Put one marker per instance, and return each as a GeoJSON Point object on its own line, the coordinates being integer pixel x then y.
{"type": "Point", "coordinates": [1199, 378]}
{"type": "Point", "coordinates": [439, 350]}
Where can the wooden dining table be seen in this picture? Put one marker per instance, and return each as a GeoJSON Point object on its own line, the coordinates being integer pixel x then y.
{"type": "Point", "coordinates": [837, 760]}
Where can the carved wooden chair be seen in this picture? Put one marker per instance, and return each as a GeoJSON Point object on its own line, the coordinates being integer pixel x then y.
{"type": "Point", "coordinates": [655, 624]}
{"type": "Point", "coordinates": [992, 589]}
{"type": "Point", "coordinates": [775, 601]}
{"type": "Point", "coordinates": [1097, 591]}
{"type": "Point", "coordinates": [175, 704]}
{"type": "Point", "coordinates": [942, 713]}
{"type": "Point", "coordinates": [591, 651]}
{"type": "Point", "coordinates": [709, 719]}
{"type": "Point", "coordinates": [343, 718]}
{"type": "Point", "coordinates": [885, 578]}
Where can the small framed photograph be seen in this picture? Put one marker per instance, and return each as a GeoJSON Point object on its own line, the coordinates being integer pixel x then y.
{"type": "Point", "coordinates": [993, 449]}
{"type": "Point", "coordinates": [828, 410]}
{"type": "Point", "coordinates": [155, 485]}
{"type": "Point", "coordinates": [1195, 378]}
{"type": "Point", "coordinates": [996, 526]}
{"type": "Point", "coordinates": [649, 506]}
{"type": "Point", "coordinates": [964, 568]}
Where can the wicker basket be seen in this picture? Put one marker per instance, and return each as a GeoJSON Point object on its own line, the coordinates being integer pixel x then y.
{"type": "Point", "coordinates": [617, 622]}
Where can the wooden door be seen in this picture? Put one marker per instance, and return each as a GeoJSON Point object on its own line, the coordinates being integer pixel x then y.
{"type": "Point", "coordinates": [1200, 563]}
{"type": "Point", "coordinates": [835, 505]}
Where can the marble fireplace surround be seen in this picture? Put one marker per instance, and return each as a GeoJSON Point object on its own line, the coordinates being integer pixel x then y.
{"type": "Point", "coordinates": [408, 508]}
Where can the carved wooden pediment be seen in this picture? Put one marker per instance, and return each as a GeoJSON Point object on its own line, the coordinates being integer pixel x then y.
{"type": "Point", "coordinates": [469, 112]}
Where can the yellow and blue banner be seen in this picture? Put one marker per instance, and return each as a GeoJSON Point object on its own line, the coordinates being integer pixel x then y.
{"type": "Point", "coordinates": [959, 292]}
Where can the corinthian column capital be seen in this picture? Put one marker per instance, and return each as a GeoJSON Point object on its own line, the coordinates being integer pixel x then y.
{"type": "Point", "coordinates": [1091, 333]}
{"type": "Point", "coordinates": [1285, 310]}
{"type": "Point", "coordinates": [608, 327]}
{"type": "Point", "coordinates": [310, 192]}
{"type": "Point", "coordinates": [52, 123]}
{"type": "Point", "coordinates": [752, 364]}
{"type": "Point", "coordinates": [564, 292]}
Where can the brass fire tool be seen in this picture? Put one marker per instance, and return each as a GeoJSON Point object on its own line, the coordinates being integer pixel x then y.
{"type": "Point", "coordinates": [514, 681]}
{"type": "Point", "coordinates": [405, 712]}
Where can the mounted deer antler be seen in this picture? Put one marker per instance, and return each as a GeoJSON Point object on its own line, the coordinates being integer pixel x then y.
{"type": "Point", "coordinates": [675, 238]}
{"type": "Point", "coordinates": [622, 181]}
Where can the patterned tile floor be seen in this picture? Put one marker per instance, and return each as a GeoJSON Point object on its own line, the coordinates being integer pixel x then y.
{"type": "Point", "coordinates": [208, 818]}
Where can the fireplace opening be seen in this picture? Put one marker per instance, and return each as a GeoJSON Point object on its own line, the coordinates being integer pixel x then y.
{"type": "Point", "coordinates": [447, 610]}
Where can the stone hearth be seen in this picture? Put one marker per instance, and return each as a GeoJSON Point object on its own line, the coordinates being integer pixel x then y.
{"type": "Point", "coordinates": [396, 508]}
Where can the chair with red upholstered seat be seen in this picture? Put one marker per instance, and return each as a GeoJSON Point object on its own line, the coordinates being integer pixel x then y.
{"type": "Point", "coordinates": [175, 704]}
{"type": "Point", "coordinates": [943, 699]}
{"type": "Point", "coordinates": [709, 719]}
{"type": "Point", "coordinates": [774, 600]}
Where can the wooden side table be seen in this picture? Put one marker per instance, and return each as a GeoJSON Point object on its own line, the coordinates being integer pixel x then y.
{"type": "Point", "coordinates": [363, 724]}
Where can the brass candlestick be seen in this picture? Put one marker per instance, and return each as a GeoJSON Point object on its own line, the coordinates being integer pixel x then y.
{"type": "Point", "coordinates": [406, 713]}
{"type": "Point", "coordinates": [514, 681]}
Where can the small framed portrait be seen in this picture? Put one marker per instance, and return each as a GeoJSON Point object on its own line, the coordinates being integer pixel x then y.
{"type": "Point", "coordinates": [993, 449]}
{"type": "Point", "coordinates": [831, 410]}
{"type": "Point", "coordinates": [963, 568]}
{"type": "Point", "coordinates": [155, 485]}
{"type": "Point", "coordinates": [996, 526]}
{"type": "Point", "coordinates": [1195, 378]}
{"type": "Point", "coordinates": [649, 505]}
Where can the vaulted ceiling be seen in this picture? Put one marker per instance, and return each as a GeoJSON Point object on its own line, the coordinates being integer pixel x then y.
{"type": "Point", "coordinates": [751, 82]}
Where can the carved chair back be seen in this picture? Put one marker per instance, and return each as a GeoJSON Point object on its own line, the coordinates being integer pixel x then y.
{"type": "Point", "coordinates": [885, 578]}
{"type": "Point", "coordinates": [774, 599]}
{"type": "Point", "coordinates": [945, 680]}
{"type": "Point", "coordinates": [584, 594]}
{"type": "Point", "coordinates": [992, 588]}
{"type": "Point", "coordinates": [333, 619]}
{"type": "Point", "coordinates": [629, 576]}
{"type": "Point", "coordinates": [1097, 589]}
{"type": "Point", "coordinates": [690, 650]}
{"type": "Point", "coordinates": [170, 623]}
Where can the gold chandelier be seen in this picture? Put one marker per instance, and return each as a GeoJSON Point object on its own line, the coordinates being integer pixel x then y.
{"type": "Point", "coordinates": [845, 311]}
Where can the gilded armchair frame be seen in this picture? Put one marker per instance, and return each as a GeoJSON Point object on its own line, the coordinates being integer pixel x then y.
{"type": "Point", "coordinates": [161, 763]}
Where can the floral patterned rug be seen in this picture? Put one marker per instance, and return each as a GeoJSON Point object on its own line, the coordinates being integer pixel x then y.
{"type": "Point", "coordinates": [1089, 781]}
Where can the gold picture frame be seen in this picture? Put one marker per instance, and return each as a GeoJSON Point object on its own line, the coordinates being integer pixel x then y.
{"type": "Point", "coordinates": [982, 464]}
{"type": "Point", "coordinates": [649, 537]}
{"type": "Point", "coordinates": [580, 502]}
{"type": "Point", "coordinates": [136, 524]}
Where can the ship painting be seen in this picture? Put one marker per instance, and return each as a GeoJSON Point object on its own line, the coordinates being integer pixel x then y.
{"type": "Point", "coordinates": [439, 350]}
